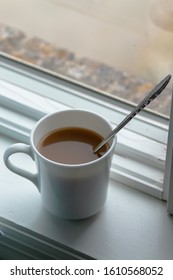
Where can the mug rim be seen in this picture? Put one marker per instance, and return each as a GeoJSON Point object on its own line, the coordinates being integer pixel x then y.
{"type": "Point", "coordinates": [113, 144]}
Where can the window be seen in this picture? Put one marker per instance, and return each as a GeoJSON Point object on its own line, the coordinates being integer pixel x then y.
{"type": "Point", "coordinates": [141, 174]}
{"type": "Point", "coordinates": [142, 169]}
{"type": "Point", "coordinates": [23, 101]}
{"type": "Point", "coordinates": [110, 45]}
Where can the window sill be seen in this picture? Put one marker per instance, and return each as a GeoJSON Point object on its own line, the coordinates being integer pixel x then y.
{"type": "Point", "coordinates": [132, 225]}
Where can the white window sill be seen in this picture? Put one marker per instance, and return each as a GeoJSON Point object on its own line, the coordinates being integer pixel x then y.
{"type": "Point", "coordinates": [132, 225]}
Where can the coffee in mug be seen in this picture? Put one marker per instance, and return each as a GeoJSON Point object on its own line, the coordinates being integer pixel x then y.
{"type": "Point", "coordinates": [71, 145]}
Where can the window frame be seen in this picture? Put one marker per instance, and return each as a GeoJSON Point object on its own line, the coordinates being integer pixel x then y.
{"type": "Point", "coordinates": [40, 81]}
{"type": "Point", "coordinates": [20, 115]}
{"type": "Point", "coordinates": [146, 127]}
{"type": "Point", "coordinates": [168, 174]}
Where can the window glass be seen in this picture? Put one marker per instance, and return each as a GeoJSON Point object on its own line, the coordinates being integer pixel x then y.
{"type": "Point", "coordinates": [120, 47]}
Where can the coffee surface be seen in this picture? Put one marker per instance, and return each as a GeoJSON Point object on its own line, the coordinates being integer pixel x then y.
{"type": "Point", "coordinates": [71, 145]}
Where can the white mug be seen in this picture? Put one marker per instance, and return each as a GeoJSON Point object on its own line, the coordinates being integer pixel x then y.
{"type": "Point", "coordinates": [70, 191]}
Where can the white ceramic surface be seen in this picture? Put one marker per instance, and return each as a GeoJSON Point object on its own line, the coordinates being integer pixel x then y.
{"type": "Point", "coordinates": [69, 191]}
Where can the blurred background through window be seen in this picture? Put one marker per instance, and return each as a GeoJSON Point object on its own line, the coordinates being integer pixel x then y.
{"type": "Point", "coordinates": [120, 47]}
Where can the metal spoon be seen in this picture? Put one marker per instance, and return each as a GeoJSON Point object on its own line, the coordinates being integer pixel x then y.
{"type": "Point", "coordinates": [152, 95]}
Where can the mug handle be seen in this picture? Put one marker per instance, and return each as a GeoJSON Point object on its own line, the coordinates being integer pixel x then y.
{"type": "Point", "coordinates": [20, 148]}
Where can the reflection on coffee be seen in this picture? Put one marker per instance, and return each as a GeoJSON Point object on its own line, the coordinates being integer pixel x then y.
{"type": "Point", "coordinates": [71, 145]}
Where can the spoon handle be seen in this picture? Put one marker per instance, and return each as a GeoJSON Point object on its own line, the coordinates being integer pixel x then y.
{"type": "Point", "coordinates": [152, 95]}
